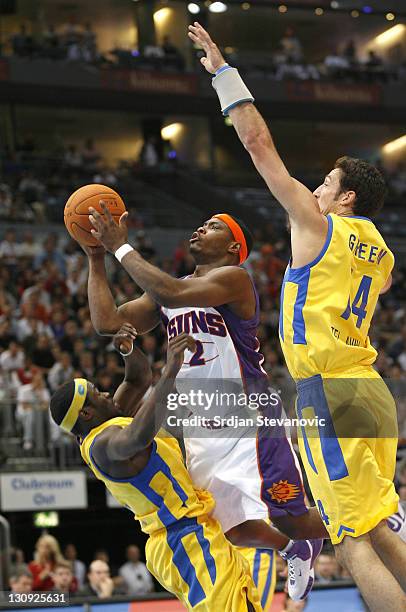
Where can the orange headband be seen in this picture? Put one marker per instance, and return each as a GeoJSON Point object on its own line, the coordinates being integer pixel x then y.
{"type": "Point", "coordinates": [237, 233]}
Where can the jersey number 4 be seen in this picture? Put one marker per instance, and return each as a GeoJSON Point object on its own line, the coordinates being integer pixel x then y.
{"type": "Point", "coordinates": [359, 304]}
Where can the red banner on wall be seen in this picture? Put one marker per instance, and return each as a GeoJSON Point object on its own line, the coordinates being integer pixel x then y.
{"type": "Point", "coordinates": [334, 93]}
{"type": "Point", "coordinates": [150, 82]}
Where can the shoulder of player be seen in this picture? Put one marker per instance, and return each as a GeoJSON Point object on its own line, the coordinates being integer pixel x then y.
{"type": "Point", "coordinates": [229, 272]}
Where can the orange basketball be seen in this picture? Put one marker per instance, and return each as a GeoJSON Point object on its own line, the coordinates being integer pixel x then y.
{"type": "Point", "coordinates": [76, 213]}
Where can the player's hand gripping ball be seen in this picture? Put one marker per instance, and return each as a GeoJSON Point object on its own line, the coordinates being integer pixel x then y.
{"type": "Point", "coordinates": [76, 213]}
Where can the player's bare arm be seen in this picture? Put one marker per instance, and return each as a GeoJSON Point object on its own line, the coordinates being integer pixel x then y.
{"type": "Point", "coordinates": [137, 373]}
{"type": "Point", "coordinates": [106, 317]}
{"type": "Point", "coordinates": [224, 285]}
{"type": "Point", "coordinates": [125, 443]}
{"type": "Point", "coordinates": [298, 201]}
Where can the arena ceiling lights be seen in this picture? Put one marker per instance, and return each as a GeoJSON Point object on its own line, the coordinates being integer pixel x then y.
{"type": "Point", "coordinates": [214, 7]}
{"type": "Point", "coordinates": [388, 8]}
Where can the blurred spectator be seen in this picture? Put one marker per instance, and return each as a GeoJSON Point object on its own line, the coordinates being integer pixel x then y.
{"type": "Point", "coordinates": [21, 581]}
{"type": "Point", "coordinates": [33, 401]}
{"type": "Point", "coordinates": [63, 578]}
{"type": "Point", "coordinates": [291, 46]}
{"type": "Point", "coordinates": [29, 247]}
{"type": "Point", "coordinates": [47, 556]}
{"type": "Point", "coordinates": [350, 52]}
{"type": "Point", "coordinates": [144, 245]}
{"type": "Point", "coordinates": [100, 583]}
{"type": "Point", "coordinates": [9, 249]}
{"type": "Point", "coordinates": [73, 158]}
{"type": "Point", "coordinates": [51, 42]}
{"type": "Point", "coordinates": [90, 154]}
{"type": "Point", "coordinates": [89, 43]}
{"type": "Point", "coordinates": [373, 60]}
{"type": "Point", "coordinates": [79, 568]}
{"type": "Point", "coordinates": [326, 568]}
{"type": "Point", "coordinates": [13, 358]}
{"type": "Point", "coordinates": [137, 578]}
{"type": "Point", "coordinates": [21, 42]}
{"type": "Point", "coordinates": [149, 156]}
{"type": "Point", "coordinates": [51, 253]}
{"type": "Point", "coordinates": [18, 563]}
{"type": "Point", "coordinates": [61, 372]}
{"type": "Point", "coordinates": [42, 355]}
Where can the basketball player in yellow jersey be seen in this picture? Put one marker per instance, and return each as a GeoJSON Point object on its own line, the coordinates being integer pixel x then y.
{"type": "Point", "coordinates": [186, 550]}
{"type": "Point", "coordinates": [340, 264]}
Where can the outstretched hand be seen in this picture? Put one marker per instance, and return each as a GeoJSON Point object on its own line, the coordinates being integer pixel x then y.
{"type": "Point", "coordinates": [213, 60]}
{"type": "Point", "coordinates": [106, 230]}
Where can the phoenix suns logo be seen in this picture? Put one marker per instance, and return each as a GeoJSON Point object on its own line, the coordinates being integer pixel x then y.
{"type": "Point", "coordinates": [283, 491]}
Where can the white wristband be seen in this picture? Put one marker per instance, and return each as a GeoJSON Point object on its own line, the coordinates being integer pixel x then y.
{"type": "Point", "coordinates": [230, 89]}
{"type": "Point", "coordinates": [123, 250]}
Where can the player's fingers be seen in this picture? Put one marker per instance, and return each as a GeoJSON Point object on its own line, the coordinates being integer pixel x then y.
{"type": "Point", "coordinates": [129, 330]}
{"type": "Point", "coordinates": [198, 37]}
{"type": "Point", "coordinates": [95, 234]}
{"type": "Point", "coordinates": [95, 222]}
{"type": "Point", "coordinates": [106, 211]}
{"type": "Point", "coordinates": [193, 37]}
{"type": "Point", "coordinates": [202, 33]}
{"type": "Point", "coordinates": [95, 215]}
{"type": "Point", "coordinates": [191, 343]}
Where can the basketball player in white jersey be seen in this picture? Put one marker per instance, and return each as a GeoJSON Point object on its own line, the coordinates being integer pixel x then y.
{"type": "Point", "coordinates": [253, 476]}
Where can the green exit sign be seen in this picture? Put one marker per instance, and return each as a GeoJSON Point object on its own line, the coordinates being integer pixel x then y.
{"type": "Point", "coordinates": [46, 519]}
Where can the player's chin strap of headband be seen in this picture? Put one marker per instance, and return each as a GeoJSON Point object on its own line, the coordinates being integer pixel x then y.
{"type": "Point", "coordinates": [237, 233]}
{"type": "Point", "coordinates": [79, 398]}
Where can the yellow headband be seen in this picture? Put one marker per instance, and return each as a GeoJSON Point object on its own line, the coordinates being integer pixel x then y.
{"type": "Point", "coordinates": [79, 398]}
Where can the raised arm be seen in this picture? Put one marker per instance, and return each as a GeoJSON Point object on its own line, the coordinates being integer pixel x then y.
{"type": "Point", "coordinates": [137, 374]}
{"type": "Point", "coordinates": [107, 318]}
{"type": "Point", "coordinates": [127, 442]}
{"type": "Point", "coordinates": [221, 286]}
{"type": "Point", "coordinates": [298, 201]}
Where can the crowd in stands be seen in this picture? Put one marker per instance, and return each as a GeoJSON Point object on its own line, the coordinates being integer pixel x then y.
{"type": "Point", "coordinates": [289, 61]}
{"type": "Point", "coordinates": [58, 569]}
{"type": "Point", "coordinates": [54, 571]}
{"type": "Point", "coordinates": [35, 185]}
{"type": "Point", "coordinates": [70, 42]}
{"type": "Point", "coordinates": [73, 42]}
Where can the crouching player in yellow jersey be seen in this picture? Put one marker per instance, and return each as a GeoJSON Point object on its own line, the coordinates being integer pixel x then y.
{"type": "Point", "coordinates": [340, 264]}
{"type": "Point", "coordinates": [186, 550]}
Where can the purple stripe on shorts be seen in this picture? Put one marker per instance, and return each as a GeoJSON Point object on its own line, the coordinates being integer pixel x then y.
{"type": "Point", "coordinates": [281, 487]}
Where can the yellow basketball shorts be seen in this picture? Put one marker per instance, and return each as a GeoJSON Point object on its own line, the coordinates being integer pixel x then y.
{"type": "Point", "coordinates": [348, 438]}
{"type": "Point", "coordinates": [193, 560]}
{"type": "Point", "coordinates": [263, 571]}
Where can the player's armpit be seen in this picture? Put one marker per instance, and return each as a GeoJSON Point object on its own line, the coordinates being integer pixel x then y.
{"type": "Point", "coordinates": [142, 313]}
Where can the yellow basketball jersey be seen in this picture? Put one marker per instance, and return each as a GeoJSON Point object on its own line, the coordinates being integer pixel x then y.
{"type": "Point", "coordinates": [327, 305]}
{"type": "Point", "coordinates": [162, 493]}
